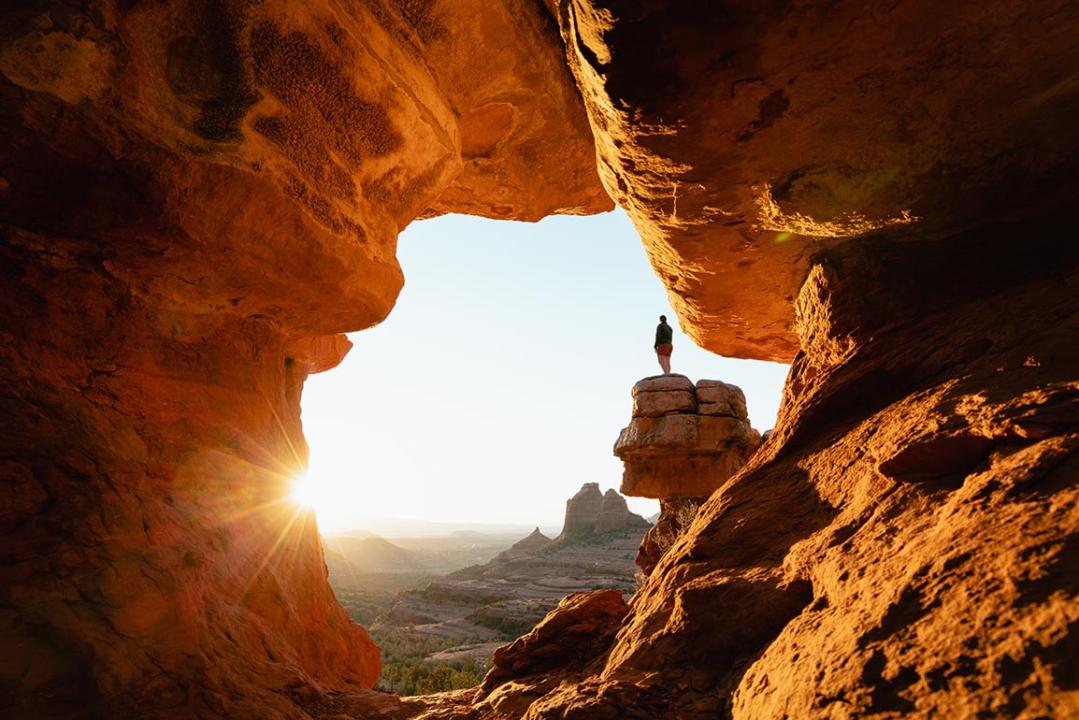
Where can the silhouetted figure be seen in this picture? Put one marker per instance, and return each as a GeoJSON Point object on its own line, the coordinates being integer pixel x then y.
{"type": "Point", "coordinates": [663, 345]}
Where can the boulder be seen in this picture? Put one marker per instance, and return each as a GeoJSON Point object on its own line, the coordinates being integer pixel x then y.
{"type": "Point", "coordinates": [660, 383]}
{"type": "Point", "coordinates": [665, 402]}
{"type": "Point", "coordinates": [580, 629]}
{"type": "Point", "coordinates": [685, 454]}
{"type": "Point", "coordinates": [715, 397]}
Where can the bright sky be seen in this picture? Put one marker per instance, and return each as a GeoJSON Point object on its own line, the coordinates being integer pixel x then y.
{"type": "Point", "coordinates": [498, 384]}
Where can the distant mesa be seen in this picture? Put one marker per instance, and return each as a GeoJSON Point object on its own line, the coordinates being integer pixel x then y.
{"type": "Point", "coordinates": [590, 511]}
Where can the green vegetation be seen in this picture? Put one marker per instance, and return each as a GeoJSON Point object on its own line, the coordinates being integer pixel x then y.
{"type": "Point", "coordinates": [406, 671]}
{"type": "Point", "coordinates": [366, 596]}
{"type": "Point", "coordinates": [586, 537]}
{"type": "Point", "coordinates": [425, 677]}
{"type": "Point", "coordinates": [509, 629]}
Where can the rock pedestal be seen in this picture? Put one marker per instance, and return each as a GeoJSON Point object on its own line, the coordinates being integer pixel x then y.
{"type": "Point", "coordinates": [683, 442]}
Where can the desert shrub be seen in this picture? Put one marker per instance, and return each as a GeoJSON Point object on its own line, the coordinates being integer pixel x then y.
{"type": "Point", "coordinates": [666, 535]}
{"type": "Point", "coordinates": [422, 677]}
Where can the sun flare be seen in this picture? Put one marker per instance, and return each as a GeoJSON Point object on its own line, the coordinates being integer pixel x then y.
{"type": "Point", "coordinates": [306, 492]}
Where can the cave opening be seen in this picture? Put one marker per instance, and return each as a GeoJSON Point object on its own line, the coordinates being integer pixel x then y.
{"type": "Point", "coordinates": [198, 198]}
{"type": "Point", "coordinates": [490, 395]}
{"type": "Point", "coordinates": [498, 382]}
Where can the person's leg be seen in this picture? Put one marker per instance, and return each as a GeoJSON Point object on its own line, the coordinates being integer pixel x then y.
{"type": "Point", "coordinates": [660, 359]}
{"type": "Point", "coordinates": [665, 363]}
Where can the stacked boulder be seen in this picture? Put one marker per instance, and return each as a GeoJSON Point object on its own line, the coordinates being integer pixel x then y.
{"type": "Point", "coordinates": [683, 443]}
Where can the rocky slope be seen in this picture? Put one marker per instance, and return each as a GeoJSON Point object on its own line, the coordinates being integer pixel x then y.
{"type": "Point", "coordinates": [517, 588]}
{"type": "Point", "coordinates": [197, 196]}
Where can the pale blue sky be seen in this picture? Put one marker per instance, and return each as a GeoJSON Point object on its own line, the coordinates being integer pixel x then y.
{"type": "Point", "coordinates": [499, 382]}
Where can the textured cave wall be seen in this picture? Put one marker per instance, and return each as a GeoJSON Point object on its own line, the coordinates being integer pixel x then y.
{"type": "Point", "coordinates": [195, 198]}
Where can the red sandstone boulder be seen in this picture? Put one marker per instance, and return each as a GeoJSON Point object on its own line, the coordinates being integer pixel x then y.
{"type": "Point", "coordinates": [715, 397]}
{"type": "Point", "coordinates": [579, 630]}
{"type": "Point", "coordinates": [672, 450]}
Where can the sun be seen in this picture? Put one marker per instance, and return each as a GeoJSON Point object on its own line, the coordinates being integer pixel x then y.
{"type": "Point", "coordinates": [330, 496]}
{"type": "Point", "coordinates": [306, 492]}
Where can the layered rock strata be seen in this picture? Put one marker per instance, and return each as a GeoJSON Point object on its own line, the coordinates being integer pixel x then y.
{"type": "Point", "coordinates": [683, 441]}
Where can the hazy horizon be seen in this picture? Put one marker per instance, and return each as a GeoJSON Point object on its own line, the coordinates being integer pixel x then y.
{"type": "Point", "coordinates": [499, 382]}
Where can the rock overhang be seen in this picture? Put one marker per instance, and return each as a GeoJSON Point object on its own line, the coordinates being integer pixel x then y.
{"type": "Point", "coordinates": [748, 141]}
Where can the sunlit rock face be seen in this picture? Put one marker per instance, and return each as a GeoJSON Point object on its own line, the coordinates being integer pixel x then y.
{"type": "Point", "coordinates": [196, 198]}
{"type": "Point", "coordinates": [744, 138]}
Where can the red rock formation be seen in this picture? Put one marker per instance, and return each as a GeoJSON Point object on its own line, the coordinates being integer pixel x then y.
{"type": "Point", "coordinates": [683, 441]}
{"type": "Point", "coordinates": [576, 632]}
{"type": "Point", "coordinates": [590, 511]}
{"type": "Point", "coordinates": [195, 199]}
{"type": "Point", "coordinates": [614, 514]}
{"type": "Point", "coordinates": [675, 516]}
{"type": "Point", "coordinates": [682, 444]}
{"type": "Point", "coordinates": [744, 138]}
{"type": "Point", "coordinates": [905, 543]}
{"type": "Point", "coordinates": [192, 193]}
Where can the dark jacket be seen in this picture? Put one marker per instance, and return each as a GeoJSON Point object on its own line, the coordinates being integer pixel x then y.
{"type": "Point", "coordinates": [664, 334]}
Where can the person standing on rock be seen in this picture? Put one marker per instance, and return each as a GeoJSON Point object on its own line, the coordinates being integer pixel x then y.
{"type": "Point", "coordinates": [663, 345]}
